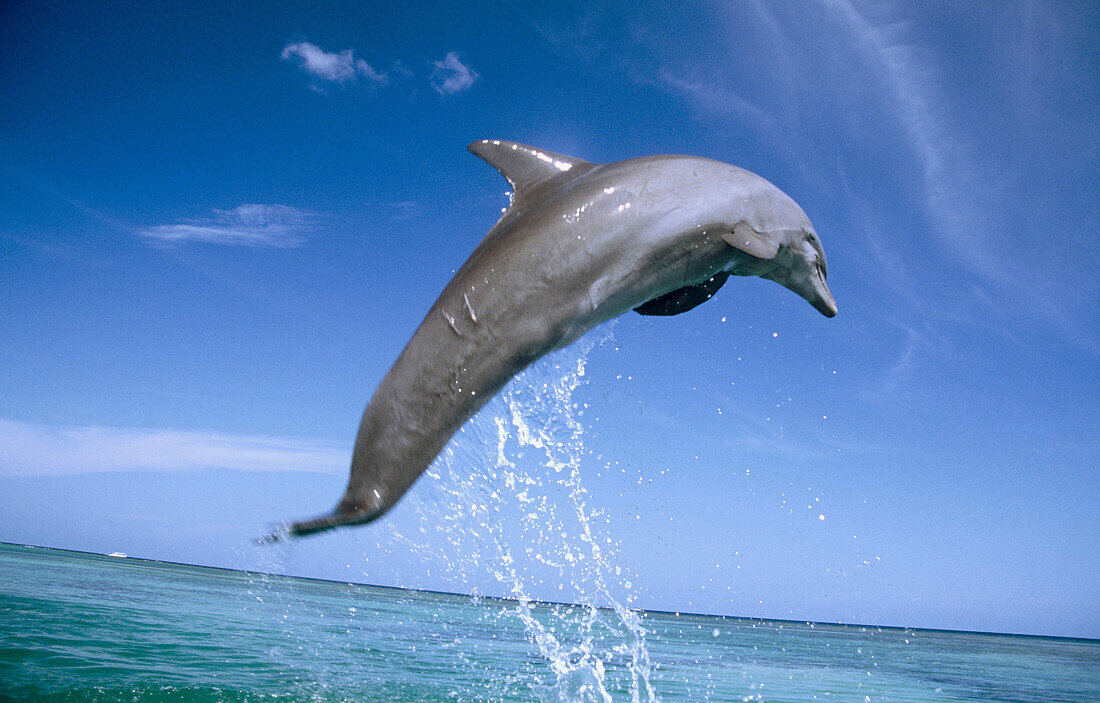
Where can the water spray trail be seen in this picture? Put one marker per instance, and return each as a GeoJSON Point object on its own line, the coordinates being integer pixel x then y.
{"type": "Point", "coordinates": [539, 412]}
{"type": "Point", "coordinates": [560, 437]}
{"type": "Point", "coordinates": [522, 517]}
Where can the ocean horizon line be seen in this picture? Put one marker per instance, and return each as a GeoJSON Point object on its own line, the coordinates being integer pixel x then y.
{"type": "Point", "coordinates": [123, 558]}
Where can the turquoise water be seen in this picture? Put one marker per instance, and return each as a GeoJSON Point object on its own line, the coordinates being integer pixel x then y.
{"type": "Point", "coordinates": [507, 502]}
{"type": "Point", "coordinates": [82, 627]}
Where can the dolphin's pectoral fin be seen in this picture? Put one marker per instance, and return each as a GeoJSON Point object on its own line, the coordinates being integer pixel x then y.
{"type": "Point", "coordinates": [684, 299]}
{"type": "Point", "coordinates": [760, 245]}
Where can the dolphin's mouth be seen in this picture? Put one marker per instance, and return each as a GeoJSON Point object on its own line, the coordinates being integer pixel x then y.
{"type": "Point", "coordinates": [809, 286]}
{"type": "Point", "coordinates": [825, 307]}
{"type": "Point", "coordinates": [822, 300]}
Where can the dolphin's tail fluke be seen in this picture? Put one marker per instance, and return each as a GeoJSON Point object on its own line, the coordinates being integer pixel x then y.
{"type": "Point", "coordinates": [322, 523]}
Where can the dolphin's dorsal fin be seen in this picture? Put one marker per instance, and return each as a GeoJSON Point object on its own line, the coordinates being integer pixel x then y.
{"type": "Point", "coordinates": [524, 166]}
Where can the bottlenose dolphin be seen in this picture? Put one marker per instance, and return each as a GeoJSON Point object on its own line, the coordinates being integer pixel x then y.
{"type": "Point", "coordinates": [580, 243]}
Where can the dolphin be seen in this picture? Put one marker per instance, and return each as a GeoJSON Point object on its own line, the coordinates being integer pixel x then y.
{"type": "Point", "coordinates": [580, 243]}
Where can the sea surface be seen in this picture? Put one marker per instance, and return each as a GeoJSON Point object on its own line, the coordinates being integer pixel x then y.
{"type": "Point", "coordinates": [87, 627]}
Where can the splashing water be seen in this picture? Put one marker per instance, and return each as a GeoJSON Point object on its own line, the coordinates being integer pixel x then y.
{"type": "Point", "coordinates": [511, 503]}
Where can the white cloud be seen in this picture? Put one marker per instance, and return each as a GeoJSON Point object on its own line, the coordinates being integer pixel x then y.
{"type": "Point", "coordinates": [337, 67]}
{"type": "Point", "coordinates": [41, 450]}
{"type": "Point", "coordinates": [246, 225]}
{"type": "Point", "coordinates": [455, 75]}
{"type": "Point", "coordinates": [449, 76]}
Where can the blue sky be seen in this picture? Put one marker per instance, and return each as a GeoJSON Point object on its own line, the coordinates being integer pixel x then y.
{"type": "Point", "coordinates": [220, 225]}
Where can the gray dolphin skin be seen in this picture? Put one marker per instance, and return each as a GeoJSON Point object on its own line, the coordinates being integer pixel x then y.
{"type": "Point", "coordinates": [579, 244]}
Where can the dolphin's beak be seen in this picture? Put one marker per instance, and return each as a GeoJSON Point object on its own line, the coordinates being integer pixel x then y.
{"type": "Point", "coordinates": [808, 285]}
{"type": "Point", "coordinates": [821, 298]}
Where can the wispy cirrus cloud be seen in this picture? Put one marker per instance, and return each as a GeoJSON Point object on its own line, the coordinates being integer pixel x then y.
{"type": "Point", "coordinates": [331, 66]}
{"type": "Point", "coordinates": [451, 75]}
{"type": "Point", "coordinates": [714, 99]}
{"type": "Point", "coordinates": [28, 449]}
{"type": "Point", "coordinates": [246, 225]}
{"type": "Point", "coordinates": [941, 151]}
{"type": "Point", "coordinates": [856, 93]}
{"type": "Point", "coordinates": [973, 186]}
{"type": "Point", "coordinates": [405, 209]}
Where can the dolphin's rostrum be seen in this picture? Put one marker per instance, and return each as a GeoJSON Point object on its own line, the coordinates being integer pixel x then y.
{"type": "Point", "coordinates": [579, 244]}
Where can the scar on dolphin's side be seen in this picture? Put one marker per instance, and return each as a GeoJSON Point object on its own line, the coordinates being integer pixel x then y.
{"type": "Point", "coordinates": [580, 243]}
